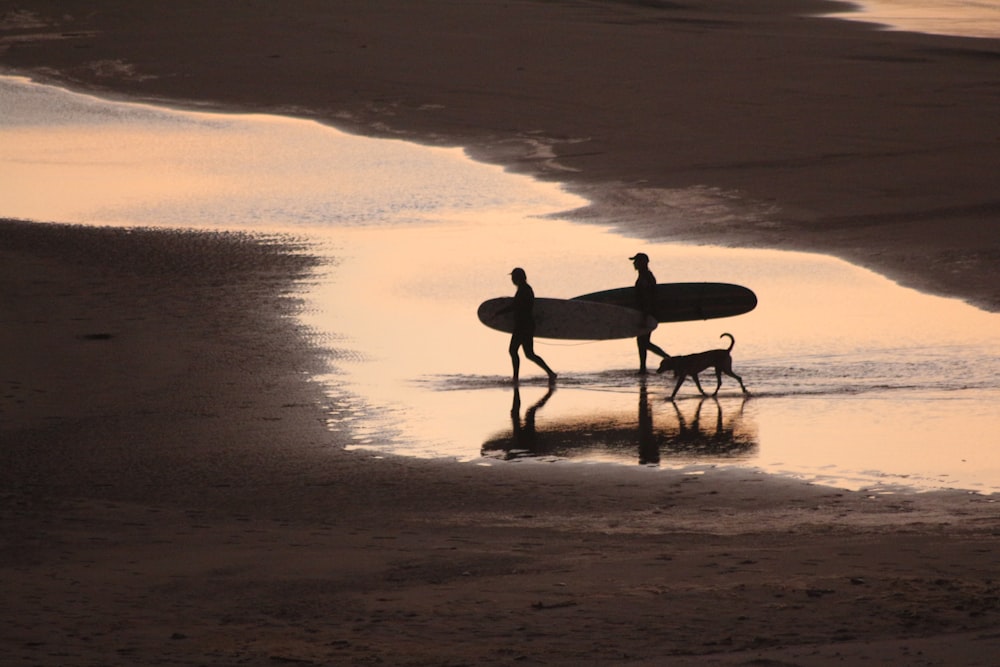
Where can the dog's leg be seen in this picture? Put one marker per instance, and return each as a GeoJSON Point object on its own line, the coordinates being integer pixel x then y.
{"type": "Point", "coordinates": [718, 380]}
{"type": "Point", "coordinates": [680, 381]}
{"type": "Point", "coordinates": [728, 370]}
{"type": "Point", "coordinates": [740, 380]}
{"type": "Point", "coordinates": [698, 384]}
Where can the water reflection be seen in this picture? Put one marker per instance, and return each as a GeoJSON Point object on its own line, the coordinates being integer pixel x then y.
{"type": "Point", "coordinates": [524, 434]}
{"type": "Point", "coordinates": [649, 449]}
{"type": "Point", "coordinates": [701, 431]}
{"type": "Point", "coordinates": [732, 438]}
{"type": "Point", "coordinates": [856, 381]}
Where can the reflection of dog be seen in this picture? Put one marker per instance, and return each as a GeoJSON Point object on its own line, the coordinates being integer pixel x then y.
{"type": "Point", "coordinates": [690, 365]}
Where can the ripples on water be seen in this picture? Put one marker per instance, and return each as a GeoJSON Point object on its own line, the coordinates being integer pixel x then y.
{"type": "Point", "coordinates": [856, 381]}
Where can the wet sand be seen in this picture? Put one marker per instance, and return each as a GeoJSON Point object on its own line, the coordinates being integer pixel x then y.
{"type": "Point", "coordinates": [172, 492]}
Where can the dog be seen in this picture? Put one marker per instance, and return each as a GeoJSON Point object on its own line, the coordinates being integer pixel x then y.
{"type": "Point", "coordinates": [689, 365]}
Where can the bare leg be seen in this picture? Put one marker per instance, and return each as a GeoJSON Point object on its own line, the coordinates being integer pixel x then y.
{"type": "Point", "coordinates": [646, 345]}
{"type": "Point", "coordinates": [656, 349]}
{"type": "Point", "coordinates": [529, 352]}
{"type": "Point", "coordinates": [515, 360]}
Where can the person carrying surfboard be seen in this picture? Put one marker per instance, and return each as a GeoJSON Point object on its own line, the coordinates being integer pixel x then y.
{"type": "Point", "coordinates": [645, 296]}
{"type": "Point", "coordinates": [523, 337]}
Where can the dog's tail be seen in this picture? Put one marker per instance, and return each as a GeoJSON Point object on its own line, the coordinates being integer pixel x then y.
{"type": "Point", "coordinates": [732, 341]}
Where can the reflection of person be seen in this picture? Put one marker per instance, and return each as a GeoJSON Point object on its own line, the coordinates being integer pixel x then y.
{"type": "Point", "coordinates": [523, 336]}
{"type": "Point", "coordinates": [524, 437]}
{"type": "Point", "coordinates": [649, 451]}
{"type": "Point", "coordinates": [645, 296]}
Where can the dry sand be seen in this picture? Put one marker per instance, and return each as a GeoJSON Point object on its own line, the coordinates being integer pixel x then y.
{"type": "Point", "coordinates": [171, 492]}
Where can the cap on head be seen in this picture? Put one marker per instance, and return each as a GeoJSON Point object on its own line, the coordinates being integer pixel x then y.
{"type": "Point", "coordinates": [519, 273]}
{"type": "Point", "coordinates": [640, 257]}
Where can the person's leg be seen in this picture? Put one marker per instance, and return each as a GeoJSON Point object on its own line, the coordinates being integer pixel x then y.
{"type": "Point", "coordinates": [655, 349]}
{"type": "Point", "coordinates": [642, 342]}
{"type": "Point", "coordinates": [529, 352]}
{"type": "Point", "coordinates": [646, 345]}
{"type": "Point", "coordinates": [515, 360]}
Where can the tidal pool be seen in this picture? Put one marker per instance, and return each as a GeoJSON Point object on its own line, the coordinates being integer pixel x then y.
{"type": "Point", "coordinates": [855, 381]}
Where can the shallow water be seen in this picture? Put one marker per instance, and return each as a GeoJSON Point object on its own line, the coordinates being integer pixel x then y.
{"type": "Point", "coordinates": [856, 382]}
{"type": "Point", "coordinates": [964, 18]}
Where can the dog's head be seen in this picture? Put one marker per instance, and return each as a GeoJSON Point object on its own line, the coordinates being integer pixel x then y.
{"type": "Point", "coordinates": [666, 365]}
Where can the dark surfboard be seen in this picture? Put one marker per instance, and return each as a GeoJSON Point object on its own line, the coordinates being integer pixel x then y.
{"type": "Point", "coordinates": [570, 319]}
{"type": "Point", "coordinates": [684, 302]}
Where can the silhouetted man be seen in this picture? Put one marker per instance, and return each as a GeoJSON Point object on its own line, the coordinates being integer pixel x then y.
{"type": "Point", "coordinates": [523, 336]}
{"type": "Point", "coordinates": [645, 296]}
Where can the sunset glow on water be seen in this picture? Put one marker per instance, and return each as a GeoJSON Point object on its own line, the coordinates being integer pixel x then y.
{"type": "Point", "coordinates": [855, 381]}
{"type": "Point", "coordinates": [965, 18]}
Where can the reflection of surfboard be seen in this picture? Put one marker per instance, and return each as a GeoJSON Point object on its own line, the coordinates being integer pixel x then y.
{"type": "Point", "coordinates": [682, 302]}
{"type": "Point", "coordinates": [569, 319]}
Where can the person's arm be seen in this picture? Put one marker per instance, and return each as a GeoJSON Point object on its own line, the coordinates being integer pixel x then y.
{"type": "Point", "coordinates": [521, 304]}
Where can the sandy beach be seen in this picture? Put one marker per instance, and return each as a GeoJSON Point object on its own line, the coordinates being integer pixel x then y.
{"type": "Point", "coordinates": [173, 492]}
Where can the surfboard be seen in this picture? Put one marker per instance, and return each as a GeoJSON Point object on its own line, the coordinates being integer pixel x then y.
{"type": "Point", "coordinates": [684, 302]}
{"type": "Point", "coordinates": [570, 319]}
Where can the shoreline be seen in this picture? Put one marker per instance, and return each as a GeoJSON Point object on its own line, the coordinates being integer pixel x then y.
{"type": "Point", "coordinates": [172, 492]}
{"type": "Point", "coordinates": [825, 136]}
